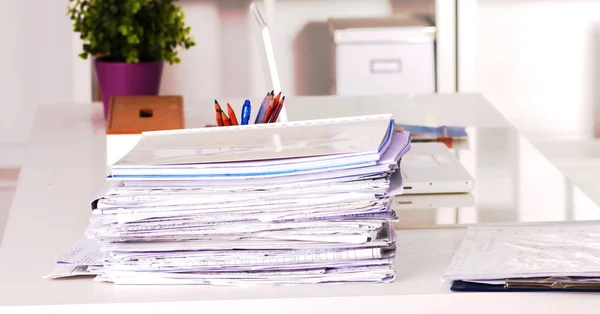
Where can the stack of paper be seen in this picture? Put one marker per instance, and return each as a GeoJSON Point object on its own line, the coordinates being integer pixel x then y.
{"type": "Point", "coordinates": [288, 203]}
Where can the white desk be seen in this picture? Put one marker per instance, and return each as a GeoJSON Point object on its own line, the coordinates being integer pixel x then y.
{"type": "Point", "coordinates": [64, 169]}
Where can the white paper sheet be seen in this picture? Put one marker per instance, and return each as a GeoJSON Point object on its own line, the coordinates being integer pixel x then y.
{"type": "Point", "coordinates": [498, 252]}
{"type": "Point", "coordinates": [84, 252]}
{"type": "Point", "coordinates": [77, 260]}
{"type": "Point", "coordinates": [260, 142]}
{"type": "Point", "coordinates": [381, 273]}
{"type": "Point", "coordinates": [67, 270]}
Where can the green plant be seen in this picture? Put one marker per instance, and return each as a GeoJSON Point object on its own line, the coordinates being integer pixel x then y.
{"type": "Point", "coordinates": [130, 30]}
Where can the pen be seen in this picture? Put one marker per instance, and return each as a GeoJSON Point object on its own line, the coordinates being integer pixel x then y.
{"type": "Point", "coordinates": [226, 121]}
{"type": "Point", "coordinates": [232, 117]}
{"type": "Point", "coordinates": [246, 112]}
{"type": "Point", "coordinates": [264, 106]}
{"type": "Point", "coordinates": [219, 118]}
{"type": "Point", "coordinates": [274, 103]}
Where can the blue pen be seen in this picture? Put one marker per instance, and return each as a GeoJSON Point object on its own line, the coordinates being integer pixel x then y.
{"type": "Point", "coordinates": [246, 112]}
{"type": "Point", "coordinates": [264, 106]}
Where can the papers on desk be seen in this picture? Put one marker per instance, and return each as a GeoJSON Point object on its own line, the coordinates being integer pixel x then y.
{"type": "Point", "coordinates": [516, 258]}
{"type": "Point", "coordinates": [78, 259]}
{"type": "Point", "coordinates": [266, 206]}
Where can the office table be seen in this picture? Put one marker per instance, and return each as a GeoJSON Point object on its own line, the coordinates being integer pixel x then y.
{"type": "Point", "coordinates": [515, 183]}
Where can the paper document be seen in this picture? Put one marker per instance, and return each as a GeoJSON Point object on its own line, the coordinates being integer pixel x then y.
{"type": "Point", "coordinates": [488, 253]}
{"type": "Point", "coordinates": [84, 252]}
{"type": "Point", "coordinates": [67, 270]}
{"type": "Point", "coordinates": [77, 260]}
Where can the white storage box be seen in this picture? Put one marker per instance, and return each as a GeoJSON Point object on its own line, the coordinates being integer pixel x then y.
{"type": "Point", "coordinates": [383, 56]}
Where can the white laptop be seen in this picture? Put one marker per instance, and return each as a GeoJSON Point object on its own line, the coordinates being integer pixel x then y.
{"type": "Point", "coordinates": [430, 168]}
{"type": "Point", "coordinates": [267, 55]}
{"type": "Point", "coordinates": [433, 201]}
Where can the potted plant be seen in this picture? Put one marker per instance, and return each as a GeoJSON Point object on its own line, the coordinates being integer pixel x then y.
{"type": "Point", "coordinates": [130, 40]}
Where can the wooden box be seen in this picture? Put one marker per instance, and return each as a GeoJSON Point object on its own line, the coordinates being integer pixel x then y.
{"type": "Point", "coordinates": [137, 114]}
{"type": "Point", "coordinates": [129, 116]}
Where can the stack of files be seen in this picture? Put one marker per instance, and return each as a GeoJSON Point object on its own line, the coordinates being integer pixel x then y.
{"type": "Point", "coordinates": [286, 203]}
{"type": "Point", "coordinates": [554, 257]}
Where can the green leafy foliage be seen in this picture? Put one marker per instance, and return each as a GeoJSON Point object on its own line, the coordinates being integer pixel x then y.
{"type": "Point", "coordinates": [130, 31]}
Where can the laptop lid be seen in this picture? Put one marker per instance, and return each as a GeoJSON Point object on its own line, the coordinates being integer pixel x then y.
{"type": "Point", "coordinates": [267, 55]}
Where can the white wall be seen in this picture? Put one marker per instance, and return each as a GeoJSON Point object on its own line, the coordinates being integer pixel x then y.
{"type": "Point", "coordinates": [38, 64]}
{"type": "Point", "coordinates": [292, 16]}
{"type": "Point", "coordinates": [199, 74]}
{"type": "Point", "coordinates": [535, 60]}
{"type": "Point", "coordinates": [9, 81]}
{"type": "Point", "coordinates": [226, 61]}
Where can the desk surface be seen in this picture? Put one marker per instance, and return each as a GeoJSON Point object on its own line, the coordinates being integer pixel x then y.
{"type": "Point", "coordinates": [64, 169]}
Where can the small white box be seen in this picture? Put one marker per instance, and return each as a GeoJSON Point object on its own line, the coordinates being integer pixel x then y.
{"type": "Point", "coordinates": [383, 56]}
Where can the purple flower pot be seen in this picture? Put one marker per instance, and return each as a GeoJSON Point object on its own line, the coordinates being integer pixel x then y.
{"type": "Point", "coordinates": [123, 79]}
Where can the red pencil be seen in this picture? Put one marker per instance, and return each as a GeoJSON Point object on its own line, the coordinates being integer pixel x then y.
{"type": "Point", "coordinates": [218, 116]}
{"type": "Point", "coordinates": [275, 114]}
{"type": "Point", "coordinates": [226, 121]}
{"type": "Point", "coordinates": [277, 98]}
{"type": "Point", "coordinates": [232, 117]}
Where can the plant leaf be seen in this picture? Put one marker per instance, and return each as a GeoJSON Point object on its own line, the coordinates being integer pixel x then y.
{"type": "Point", "coordinates": [131, 30]}
{"type": "Point", "coordinates": [124, 30]}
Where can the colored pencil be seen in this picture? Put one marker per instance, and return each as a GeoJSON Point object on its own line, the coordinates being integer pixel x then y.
{"type": "Point", "coordinates": [275, 114]}
{"type": "Point", "coordinates": [226, 121]}
{"type": "Point", "coordinates": [218, 116]}
{"type": "Point", "coordinates": [272, 108]}
{"type": "Point", "coordinates": [275, 105]}
{"type": "Point", "coordinates": [232, 117]}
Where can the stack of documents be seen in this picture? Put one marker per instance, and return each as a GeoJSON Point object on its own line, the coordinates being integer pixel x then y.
{"type": "Point", "coordinates": [527, 258]}
{"type": "Point", "coordinates": [286, 203]}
